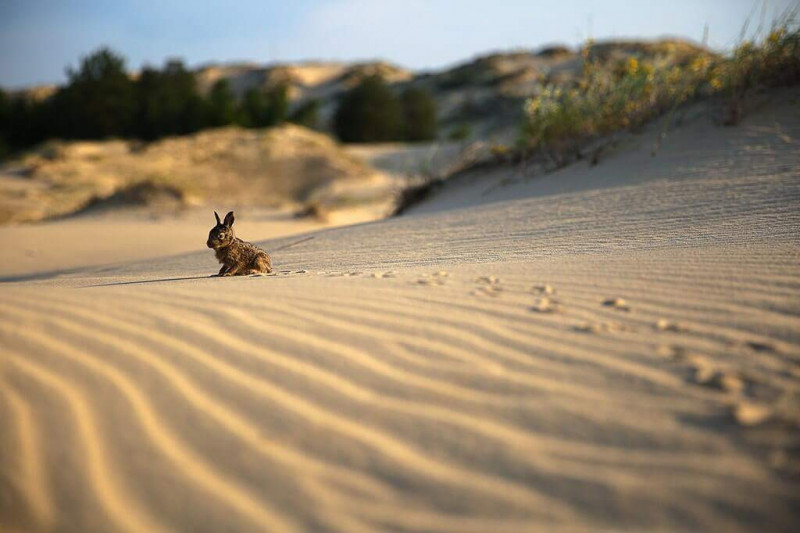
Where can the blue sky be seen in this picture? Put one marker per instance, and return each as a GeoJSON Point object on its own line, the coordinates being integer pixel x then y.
{"type": "Point", "coordinates": [39, 38]}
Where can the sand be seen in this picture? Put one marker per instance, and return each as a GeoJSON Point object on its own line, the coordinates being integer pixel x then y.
{"type": "Point", "coordinates": [613, 347]}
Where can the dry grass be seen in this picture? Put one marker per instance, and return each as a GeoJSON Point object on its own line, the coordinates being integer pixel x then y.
{"type": "Point", "coordinates": [622, 92]}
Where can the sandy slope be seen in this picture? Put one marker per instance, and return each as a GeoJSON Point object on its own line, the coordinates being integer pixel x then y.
{"type": "Point", "coordinates": [128, 235]}
{"type": "Point", "coordinates": [453, 370]}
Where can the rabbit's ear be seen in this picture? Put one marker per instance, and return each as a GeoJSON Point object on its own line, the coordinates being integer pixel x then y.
{"type": "Point", "coordinates": [217, 217]}
{"type": "Point", "coordinates": [229, 219]}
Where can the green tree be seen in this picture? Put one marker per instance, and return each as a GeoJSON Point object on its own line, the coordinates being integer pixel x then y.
{"type": "Point", "coordinates": [307, 114]}
{"type": "Point", "coordinates": [419, 114]}
{"type": "Point", "coordinates": [167, 102]}
{"type": "Point", "coordinates": [222, 108]}
{"type": "Point", "coordinates": [254, 109]}
{"type": "Point", "coordinates": [368, 113]}
{"type": "Point", "coordinates": [5, 124]}
{"type": "Point", "coordinates": [98, 101]}
{"type": "Point", "coordinates": [262, 109]}
{"type": "Point", "coordinates": [277, 104]}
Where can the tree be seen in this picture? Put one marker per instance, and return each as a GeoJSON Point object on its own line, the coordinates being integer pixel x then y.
{"type": "Point", "coordinates": [307, 114]}
{"type": "Point", "coordinates": [368, 113]}
{"type": "Point", "coordinates": [98, 101]}
{"type": "Point", "coordinates": [254, 109]}
{"type": "Point", "coordinates": [277, 104]}
{"type": "Point", "coordinates": [262, 109]}
{"type": "Point", "coordinates": [5, 124]}
{"type": "Point", "coordinates": [168, 102]}
{"type": "Point", "coordinates": [222, 109]}
{"type": "Point", "coordinates": [419, 115]}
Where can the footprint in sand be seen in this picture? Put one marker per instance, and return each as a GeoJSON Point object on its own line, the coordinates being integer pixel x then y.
{"type": "Point", "coordinates": [599, 327]}
{"type": "Point", "coordinates": [382, 275]}
{"type": "Point", "coordinates": [543, 289]}
{"type": "Point", "coordinates": [759, 346]}
{"type": "Point", "coordinates": [617, 303]}
{"type": "Point", "coordinates": [488, 286]}
{"type": "Point", "coordinates": [706, 375]}
{"type": "Point", "coordinates": [672, 351]}
{"type": "Point", "coordinates": [544, 305]}
{"type": "Point", "coordinates": [748, 413]}
{"type": "Point", "coordinates": [437, 278]}
{"type": "Point", "coordinates": [430, 281]}
{"type": "Point", "coordinates": [667, 325]}
{"type": "Point", "coordinates": [492, 291]}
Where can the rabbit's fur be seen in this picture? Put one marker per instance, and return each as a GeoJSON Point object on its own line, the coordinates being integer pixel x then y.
{"type": "Point", "coordinates": [237, 256]}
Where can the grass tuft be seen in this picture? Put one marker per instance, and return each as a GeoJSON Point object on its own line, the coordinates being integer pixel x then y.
{"type": "Point", "coordinates": [622, 94]}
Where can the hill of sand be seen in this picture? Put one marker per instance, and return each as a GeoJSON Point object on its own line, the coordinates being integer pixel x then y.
{"type": "Point", "coordinates": [283, 165]}
{"type": "Point", "coordinates": [481, 97]}
{"type": "Point", "coordinates": [605, 348]}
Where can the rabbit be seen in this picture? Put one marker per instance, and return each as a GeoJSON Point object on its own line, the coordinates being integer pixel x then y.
{"type": "Point", "coordinates": [237, 256]}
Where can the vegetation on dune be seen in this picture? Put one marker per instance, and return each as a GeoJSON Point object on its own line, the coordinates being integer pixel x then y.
{"type": "Point", "coordinates": [611, 96]}
{"type": "Point", "coordinates": [102, 101]}
{"type": "Point", "coordinates": [166, 102]}
{"type": "Point", "coordinates": [264, 108]}
{"type": "Point", "coordinates": [307, 114]}
{"type": "Point", "coordinates": [371, 112]}
{"type": "Point", "coordinates": [368, 113]}
{"type": "Point", "coordinates": [419, 114]}
{"type": "Point", "coordinates": [222, 106]}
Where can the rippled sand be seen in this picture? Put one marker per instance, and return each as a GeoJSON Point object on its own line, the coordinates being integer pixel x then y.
{"type": "Point", "coordinates": [611, 347]}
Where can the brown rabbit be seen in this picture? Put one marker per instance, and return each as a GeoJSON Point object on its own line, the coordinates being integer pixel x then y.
{"type": "Point", "coordinates": [237, 257]}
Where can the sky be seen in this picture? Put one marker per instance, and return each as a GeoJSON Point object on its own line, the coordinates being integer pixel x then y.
{"type": "Point", "coordinates": [40, 38]}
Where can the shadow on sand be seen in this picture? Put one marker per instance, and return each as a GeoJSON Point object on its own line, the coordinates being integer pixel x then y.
{"type": "Point", "coordinates": [50, 274]}
{"type": "Point", "coordinates": [142, 282]}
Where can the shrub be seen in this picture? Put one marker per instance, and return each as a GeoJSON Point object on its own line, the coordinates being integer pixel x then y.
{"type": "Point", "coordinates": [307, 114]}
{"type": "Point", "coordinates": [419, 115]}
{"type": "Point", "coordinates": [368, 113]}
{"type": "Point", "coordinates": [462, 132]}
{"type": "Point", "coordinates": [167, 102]}
{"type": "Point", "coordinates": [98, 101]}
{"type": "Point", "coordinates": [222, 107]}
{"type": "Point", "coordinates": [625, 95]}
{"type": "Point", "coordinates": [261, 109]}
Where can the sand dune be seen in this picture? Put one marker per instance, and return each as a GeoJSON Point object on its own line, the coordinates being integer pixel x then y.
{"type": "Point", "coordinates": [615, 347]}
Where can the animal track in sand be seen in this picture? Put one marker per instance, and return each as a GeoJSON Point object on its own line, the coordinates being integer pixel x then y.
{"type": "Point", "coordinates": [543, 289]}
{"type": "Point", "coordinates": [721, 380]}
{"type": "Point", "coordinates": [437, 278]}
{"type": "Point", "coordinates": [748, 413]}
{"type": "Point", "coordinates": [667, 325]}
{"type": "Point", "coordinates": [341, 274]}
{"type": "Point", "coordinates": [492, 291]}
{"type": "Point", "coordinates": [672, 351]}
{"type": "Point", "coordinates": [600, 327]}
{"type": "Point", "coordinates": [617, 303]}
{"type": "Point", "coordinates": [544, 305]}
{"type": "Point", "coordinates": [382, 275]}
{"type": "Point", "coordinates": [488, 286]}
{"type": "Point", "coordinates": [760, 346]}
